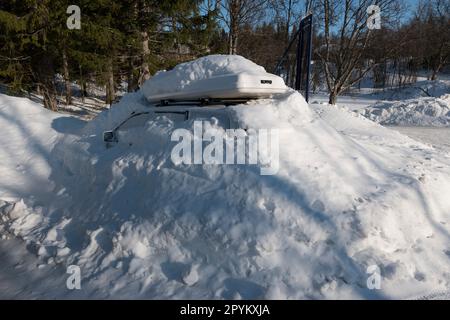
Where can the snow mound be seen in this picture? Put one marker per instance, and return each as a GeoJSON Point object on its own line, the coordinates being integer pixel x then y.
{"type": "Point", "coordinates": [349, 195]}
{"type": "Point", "coordinates": [421, 89]}
{"type": "Point", "coordinates": [29, 134]}
{"type": "Point", "coordinates": [436, 88]}
{"type": "Point", "coordinates": [214, 76]}
{"type": "Point", "coordinates": [414, 112]}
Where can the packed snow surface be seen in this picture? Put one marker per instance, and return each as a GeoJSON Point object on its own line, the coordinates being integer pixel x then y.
{"type": "Point", "coordinates": [438, 137]}
{"type": "Point", "coordinates": [419, 112]}
{"type": "Point", "coordinates": [349, 194]}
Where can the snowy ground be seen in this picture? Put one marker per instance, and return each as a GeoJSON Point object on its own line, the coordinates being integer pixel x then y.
{"type": "Point", "coordinates": [361, 99]}
{"type": "Point", "coordinates": [430, 111]}
{"type": "Point", "coordinates": [421, 111]}
{"type": "Point", "coordinates": [439, 138]}
{"type": "Point", "coordinates": [350, 194]}
{"type": "Point", "coordinates": [23, 275]}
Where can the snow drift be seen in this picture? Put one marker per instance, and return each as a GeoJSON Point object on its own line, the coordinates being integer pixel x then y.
{"type": "Point", "coordinates": [29, 134]}
{"type": "Point", "coordinates": [349, 194]}
{"type": "Point", "coordinates": [418, 112]}
{"type": "Point", "coordinates": [421, 89]}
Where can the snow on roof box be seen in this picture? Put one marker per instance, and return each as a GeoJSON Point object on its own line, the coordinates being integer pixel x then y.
{"type": "Point", "coordinates": [216, 77]}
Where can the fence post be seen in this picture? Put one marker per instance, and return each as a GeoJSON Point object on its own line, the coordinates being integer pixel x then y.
{"type": "Point", "coordinates": [308, 58]}
{"type": "Point", "coordinates": [306, 25]}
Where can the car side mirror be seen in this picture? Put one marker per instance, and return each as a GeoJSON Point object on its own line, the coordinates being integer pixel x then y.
{"type": "Point", "coordinates": [110, 136]}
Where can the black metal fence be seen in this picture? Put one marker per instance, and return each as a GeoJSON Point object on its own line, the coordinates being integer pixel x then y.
{"type": "Point", "coordinates": [295, 64]}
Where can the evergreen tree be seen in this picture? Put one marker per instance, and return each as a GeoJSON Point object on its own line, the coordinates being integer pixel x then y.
{"type": "Point", "coordinates": [119, 40]}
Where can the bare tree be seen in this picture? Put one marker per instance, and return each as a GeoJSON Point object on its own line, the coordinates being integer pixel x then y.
{"type": "Point", "coordinates": [432, 23]}
{"type": "Point", "coordinates": [238, 13]}
{"type": "Point", "coordinates": [262, 44]}
{"type": "Point", "coordinates": [287, 14]}
{"type": "Point", "coordinates": [345, 39]}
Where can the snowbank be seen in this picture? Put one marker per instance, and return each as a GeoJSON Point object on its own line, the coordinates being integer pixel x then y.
{"type": "Point", "coordinates": [349, 194]}
{"type": "Point", "coordinates": [414, 112]}
{"type": "Point", "coordinates": [29, 133]}
{"type": "Point", "coordinates": [421, 89]}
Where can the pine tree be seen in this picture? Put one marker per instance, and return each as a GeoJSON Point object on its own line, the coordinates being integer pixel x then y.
{"type": "Point", "coordinates": [118, 40]}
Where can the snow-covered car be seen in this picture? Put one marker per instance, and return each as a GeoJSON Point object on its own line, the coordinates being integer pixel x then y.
{"type": "Point", "coordinates": [219, 114]}
{"type": "Point", "coordinates": [197, 95]}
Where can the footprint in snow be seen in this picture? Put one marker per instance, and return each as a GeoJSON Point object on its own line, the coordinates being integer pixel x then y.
{"type": "Point", "coordinates": [269, 206]}
{"type": "Point", "coordinates": [419, 276]}
{"type": "Point", "coordinates": [318, 206]}
{"type": "Point", "coordinates": [241, 288]}
{"type": "Point", "coordinates": [180, 272]}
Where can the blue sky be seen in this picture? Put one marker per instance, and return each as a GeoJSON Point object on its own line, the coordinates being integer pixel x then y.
{"type": "Point", "coordinates": [412, 4]}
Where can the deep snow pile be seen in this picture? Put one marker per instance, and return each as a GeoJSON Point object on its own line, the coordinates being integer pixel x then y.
{"type": "Point", "coordinates": [414, 112]}
{"type": "Point", "coordinates": [420, 89]}
{"type": "Point", "coordinates": [349, 194]}
{"type": "Point", "coordinates": [29, 133]}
